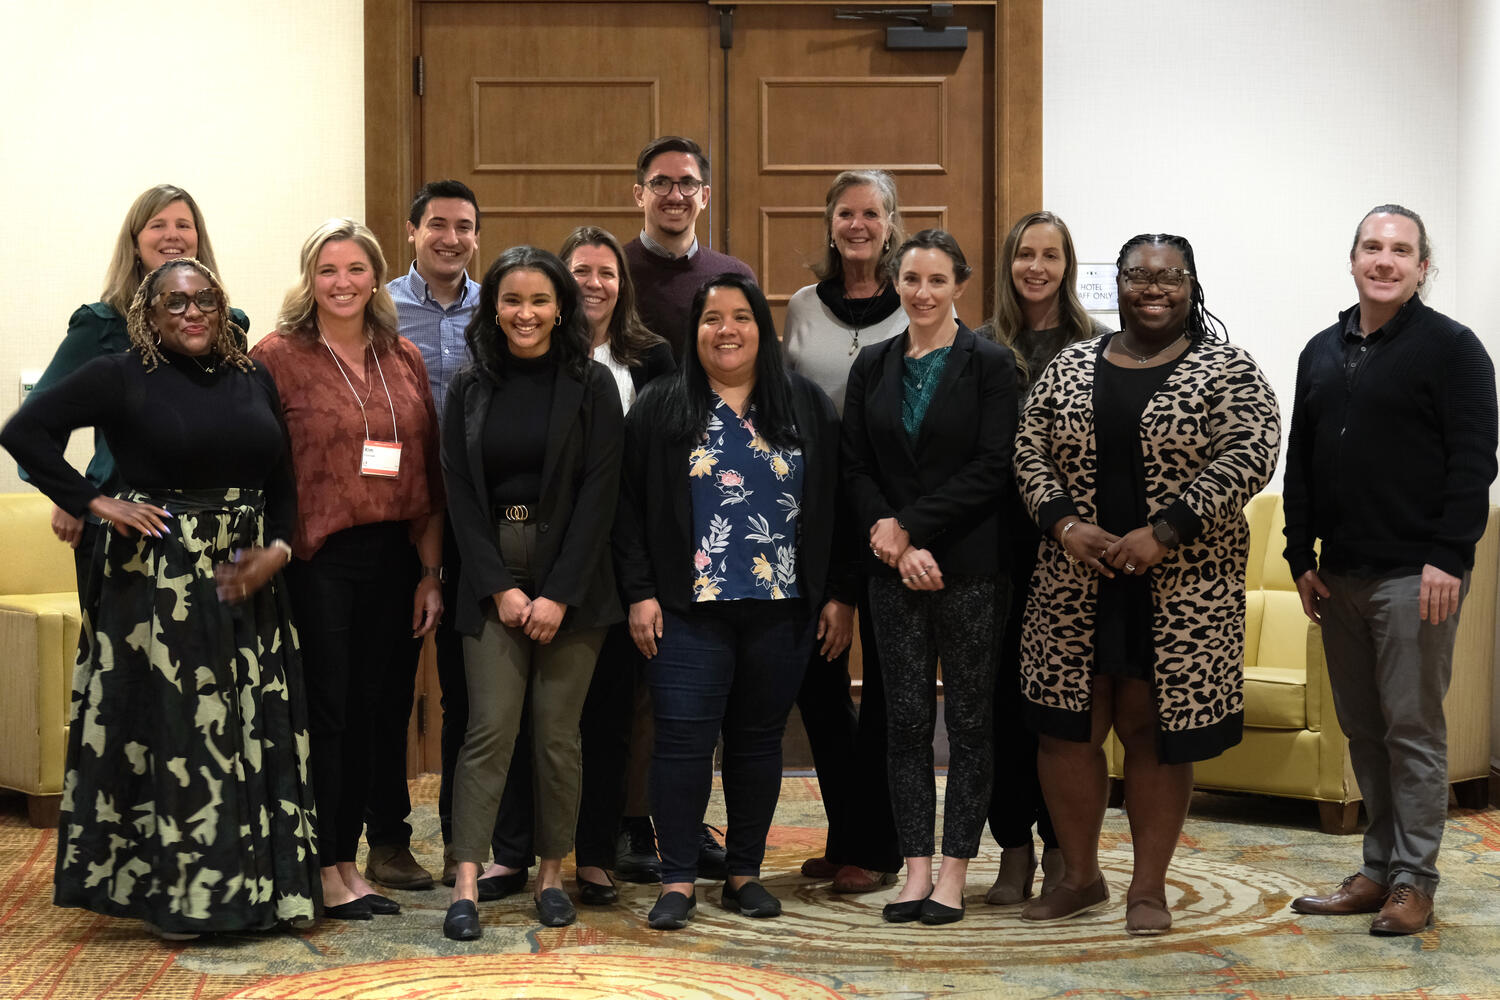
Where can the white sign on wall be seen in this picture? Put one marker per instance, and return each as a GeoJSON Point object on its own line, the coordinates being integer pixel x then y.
{"type": "Point", "coordinates": [1096, 287]}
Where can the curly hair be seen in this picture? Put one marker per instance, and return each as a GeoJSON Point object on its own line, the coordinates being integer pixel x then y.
{"type": "Point", "coordinates": [1202, 326]}
{"type": "Point", "coordinates": [145, 341]}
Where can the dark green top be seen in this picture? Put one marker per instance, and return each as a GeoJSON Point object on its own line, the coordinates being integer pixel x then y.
{"type": "Point", "coordinates": [95, 331]}
{"type": "Point", "coordinates": [919, 383]}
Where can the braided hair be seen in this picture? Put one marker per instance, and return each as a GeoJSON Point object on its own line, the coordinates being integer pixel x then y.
{"type": "Point", "coordinates": [146, 342]}
{"type": "Point", "coordinates": [1201, 326]}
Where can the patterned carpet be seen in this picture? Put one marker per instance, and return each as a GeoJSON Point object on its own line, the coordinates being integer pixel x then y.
{"type": "Point", "coordinates": [1240, 861]}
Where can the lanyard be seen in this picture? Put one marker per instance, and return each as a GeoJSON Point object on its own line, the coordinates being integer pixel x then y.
{"type": "Point", "coordinates": [394, 435]}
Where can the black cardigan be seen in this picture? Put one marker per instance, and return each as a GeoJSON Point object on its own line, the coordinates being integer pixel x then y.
{"type": "Point", "coordinates": [947, 487]}
{"type": "Point", "coordinates": [580, 480]}
{"type": "Point", "coordinates": [653, 538]}
{"type": "Point", "coordinates": [1391, 467]}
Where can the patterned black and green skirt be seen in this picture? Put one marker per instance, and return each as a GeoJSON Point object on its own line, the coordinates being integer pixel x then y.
{"type": "Point", "coordinates": [187, 801]}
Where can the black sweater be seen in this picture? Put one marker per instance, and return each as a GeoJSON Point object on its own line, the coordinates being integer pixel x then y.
{"type": "Point", "coordinates": [1391, 465]}
{"type": "Point", "coordinates": [175, 428]}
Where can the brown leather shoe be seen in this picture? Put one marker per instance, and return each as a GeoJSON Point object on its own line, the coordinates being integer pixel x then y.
{"type": "Point", "coordinates": [395, 868]}
{"type": "Point", "coordinates": [1062, 902]}
{"type": "Point", "coordinates": [852, 879]}
{"type": "Point", "coordinates": [450, 867]}
{"type": "Point", "coordinates": [819, 868]}
{"type": "Point", "coordinates": [1356, 894]}
{"type": "Point", "coordinates": [1407, 911]}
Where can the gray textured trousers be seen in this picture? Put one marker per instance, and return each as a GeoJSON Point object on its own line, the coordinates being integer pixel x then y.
{"type": "Point", "coordinates": [1389, 672]}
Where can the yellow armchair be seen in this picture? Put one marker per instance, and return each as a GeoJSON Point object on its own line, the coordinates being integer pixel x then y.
{"type": "Point", "coordinates": [1293, 745]}
{"type": "Point", "coordinates": [39, 624]}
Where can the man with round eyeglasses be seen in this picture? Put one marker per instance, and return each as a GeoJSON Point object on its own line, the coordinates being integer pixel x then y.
{"type": "Point", "coordinates": [666, 261]}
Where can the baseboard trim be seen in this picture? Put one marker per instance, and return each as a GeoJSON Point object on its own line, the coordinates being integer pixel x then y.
{"type": "Point", "coordinates": [1495, 786]}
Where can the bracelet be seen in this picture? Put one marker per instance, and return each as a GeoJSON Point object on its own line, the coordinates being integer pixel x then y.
{"type": "Point", "coordinates": [281, 543]}
{"type": "Point", "coordinates": [1062, 539]}
{"type": "Point", "coordinates": [433, 571]}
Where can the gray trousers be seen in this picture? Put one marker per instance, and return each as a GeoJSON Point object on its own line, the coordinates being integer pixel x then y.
{"type": "Point", "coordinates": [1389, 671]}
{"type": "Point", "coordinates": [503, 667]}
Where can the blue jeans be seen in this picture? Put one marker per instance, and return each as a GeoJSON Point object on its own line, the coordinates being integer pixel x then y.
{"type": "Point", "coordinates": [734, 667]}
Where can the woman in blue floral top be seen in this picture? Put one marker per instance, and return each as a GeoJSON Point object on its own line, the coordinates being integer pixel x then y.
{"type": "Point", "coordinates": [725, 552]}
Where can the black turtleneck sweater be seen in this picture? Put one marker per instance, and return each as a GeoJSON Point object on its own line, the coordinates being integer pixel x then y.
{"type": "Point", "coordinates": [515, 430]}
{"type": "Point", "coordinates": [176, 428]}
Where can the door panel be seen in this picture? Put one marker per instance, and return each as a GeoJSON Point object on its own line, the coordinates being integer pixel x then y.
{"type": "Point", "coordinates": [809, 96]}
{"type": "Point", "coordinates": [542, 107]}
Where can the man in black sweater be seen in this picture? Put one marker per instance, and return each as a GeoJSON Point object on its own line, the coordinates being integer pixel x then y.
{"type": "Point", "coordinates": [1390, 459]}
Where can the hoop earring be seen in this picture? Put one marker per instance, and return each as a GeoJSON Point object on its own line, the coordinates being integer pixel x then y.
{"type": "Point", "coordinates": [557, 320]}
{"type": "Point", "coordinates": [497, 319]}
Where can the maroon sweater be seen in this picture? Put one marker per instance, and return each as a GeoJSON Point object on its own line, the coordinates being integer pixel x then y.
{"type": "Point", "coordinates": [664, 289]}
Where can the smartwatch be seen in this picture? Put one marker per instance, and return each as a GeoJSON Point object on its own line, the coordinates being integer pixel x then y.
{"type": "Point", "coordinates": [1165, 533]}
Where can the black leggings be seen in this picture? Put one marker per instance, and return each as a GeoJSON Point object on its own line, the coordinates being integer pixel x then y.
{"type": "Point", "coordinates": [915, 629]}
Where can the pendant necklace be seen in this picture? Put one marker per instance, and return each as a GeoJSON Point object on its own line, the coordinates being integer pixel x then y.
{"type": "Point", "coordinates": [1141, 359]}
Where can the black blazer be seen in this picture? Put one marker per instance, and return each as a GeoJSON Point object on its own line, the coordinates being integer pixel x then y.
{"type": "Point", "coordinates": [653, 539]}
{"type": "Point", "coordinates": [580, 481]}
{"type": "Point", "coordinates": [946, 487]}
{"type": "Point", "coordinates": [657, 361]}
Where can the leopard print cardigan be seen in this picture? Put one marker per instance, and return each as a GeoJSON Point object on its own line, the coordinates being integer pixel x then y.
{"type": "Point", "coordinates": [1209, 439]}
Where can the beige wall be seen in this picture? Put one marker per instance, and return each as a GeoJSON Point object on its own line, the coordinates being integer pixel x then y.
{"type": "Point", "coordinates": [255, 106]}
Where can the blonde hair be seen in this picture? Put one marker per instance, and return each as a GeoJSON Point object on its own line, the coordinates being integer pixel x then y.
{"type": "Point", "coordinates": [147, 343]}
{"type": "Point", "coordinates": [299, 310]}
{"type": "Point", "coordinates": [1009, 322]}
{"type": "Point", "coordinates": [126, 271]}
{"type": "Point", "coordinates": [831, 267]}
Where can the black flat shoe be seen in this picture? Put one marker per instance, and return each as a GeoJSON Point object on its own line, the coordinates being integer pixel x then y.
{"type": "Point", "coordinates": [381, 905]}
{"type": "Point", "coordinates": [499, 886]}
{"type": "Point", "coordinates": [933, 912]}
{"type": "Point", "coordinates": [751, 899]}
{"type": "Point", "coordinates": [462, 922]}
{"type": "Point", "coordinates": [355, 909]}
{"type": "Point", "coordinates": [597, 894]}
{"type": "Point", "coordinates": [672, 911]}
{"type": "Point", "coordinates": [555, 909]}
{"type": "Point", "coordinates": [903, 912]}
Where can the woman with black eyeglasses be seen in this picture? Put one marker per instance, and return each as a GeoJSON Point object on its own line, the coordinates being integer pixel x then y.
{"type": "Point", "coordinates": [186, 803]}
{"type": "Point", "coordinates": [1137, 453]}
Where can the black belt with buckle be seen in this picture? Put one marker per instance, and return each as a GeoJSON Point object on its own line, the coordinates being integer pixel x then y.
{"type": "Point", "coordinates": [517, 513]}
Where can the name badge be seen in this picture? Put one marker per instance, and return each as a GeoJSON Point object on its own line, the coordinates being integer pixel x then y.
{"type": "Point", "coordinates": [381, 458]}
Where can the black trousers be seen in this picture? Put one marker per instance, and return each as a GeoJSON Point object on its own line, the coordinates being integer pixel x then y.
{"type": "Point", "coordinates": [1016, 800]}
{"type": "Point", "coordinates": [849, 753]}
{"type": "Point", "coordinates": [352, 607]}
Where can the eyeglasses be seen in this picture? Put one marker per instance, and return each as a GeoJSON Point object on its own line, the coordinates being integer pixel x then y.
{"type": "Point", "coordinates": [206, 299]}
{"type": "Point", "coordinates": [1168, 279]}
{"type": "Point", "coordinates": [661, 186]}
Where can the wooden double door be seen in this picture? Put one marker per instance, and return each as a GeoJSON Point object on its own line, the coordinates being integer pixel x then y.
{"type": "Point", "coordinates": [542, 108]}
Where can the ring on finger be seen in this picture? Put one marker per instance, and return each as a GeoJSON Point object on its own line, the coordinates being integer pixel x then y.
{"type": "Point", "coordinates": [1130, 567]}
{"type": "Point", "coordinates": [923, 573]}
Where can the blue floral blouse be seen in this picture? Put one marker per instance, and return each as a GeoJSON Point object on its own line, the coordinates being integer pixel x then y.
{"type": "Point", "coordinates": [746, 497]}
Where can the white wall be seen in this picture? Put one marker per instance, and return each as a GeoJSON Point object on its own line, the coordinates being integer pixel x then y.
{"type": "Point", "coordinates": [1262, 132]}
{"type": "Point", "coordinates": [1478, 167]}
{"type": "Point", "coordinates": [254, 106]}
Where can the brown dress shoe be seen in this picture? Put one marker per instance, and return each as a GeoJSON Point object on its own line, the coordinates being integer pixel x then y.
{"type": "Point", "coordinates": [450, 867]}
{"type": "Point", "coordinates": [853, 879]}
{"type": "Point", "coordinates": [1063, 902]}
{"type": "Point", "coordinates": [819, 868]}
{"type": "Point", "coordinates": [395, 868]}
{"type": "Point", "coordinates": [1407, 911]}
{"type": "Point", "coordinates": [1356, 894]}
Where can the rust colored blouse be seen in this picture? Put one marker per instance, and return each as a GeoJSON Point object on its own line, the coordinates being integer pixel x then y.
{"type": "Point", "coordinates": [328, 435]}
